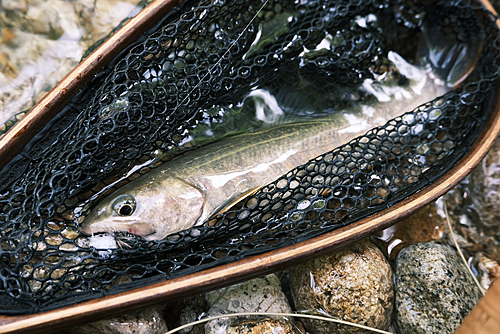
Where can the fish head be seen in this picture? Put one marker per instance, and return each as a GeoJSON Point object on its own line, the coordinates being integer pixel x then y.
{"type": "Point", "coordinates": [152, 209]}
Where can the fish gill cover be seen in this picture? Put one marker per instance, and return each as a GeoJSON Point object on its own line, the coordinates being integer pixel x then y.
{"type": "Point", "coordinates": [206, 54]}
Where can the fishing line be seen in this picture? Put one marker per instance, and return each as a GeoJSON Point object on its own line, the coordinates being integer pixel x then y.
{"type": "Point", "coordinates": [222, 57]}
{"type": "Point", "coordinates": [309, 316]}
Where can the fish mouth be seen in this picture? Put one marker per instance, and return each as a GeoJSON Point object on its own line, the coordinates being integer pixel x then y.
{"type": "Point", "coordinates": [131, 226]}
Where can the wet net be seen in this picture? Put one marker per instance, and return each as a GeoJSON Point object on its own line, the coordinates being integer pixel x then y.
{"type": "Point", "coordinates": [206, 55]}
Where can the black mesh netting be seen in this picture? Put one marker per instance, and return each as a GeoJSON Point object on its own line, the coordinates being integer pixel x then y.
{"type": "Point", "coordinates": [157, 91]}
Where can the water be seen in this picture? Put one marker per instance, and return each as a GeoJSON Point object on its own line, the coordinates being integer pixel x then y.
{"type": "Point", "coordinates": [436, 65]}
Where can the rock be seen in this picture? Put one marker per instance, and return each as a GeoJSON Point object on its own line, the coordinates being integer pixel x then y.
{"type": "Point", "coordinates": [473, 237]}
{"type": "Point", "coordinates": [485, 188]}
{"type": "Point", "coordinates": [192, 309]}
{"type": "Point", "coordinates": [284, 277]}
{"type": "Point", "coordinates": [424, 225]}
{"type": "Point", "coordinates": [488, 271]}
{"type": "Point", "coordinates": [480, 217]}
{"type": "Point", "coordinates": [263, 326]}
{"type": "Point", "coordinates": [147, 321]}
{"type": "Point", "coordinates": [353, 284]}
{"type": "Point", "coordinates": [257, 295]}
{"type": "Point", "coordinates": [43, 40]}
{"type": "Point", "coordinates": [434, 291]}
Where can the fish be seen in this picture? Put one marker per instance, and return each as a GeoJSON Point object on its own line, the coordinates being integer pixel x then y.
{"type": "Point", "coordinates": [187, 190]}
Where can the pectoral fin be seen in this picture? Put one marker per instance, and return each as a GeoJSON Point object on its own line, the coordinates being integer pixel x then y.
{"type": "Point", "coordinates": [235, 200]}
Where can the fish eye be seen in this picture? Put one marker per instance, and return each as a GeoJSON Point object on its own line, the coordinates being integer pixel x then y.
{"type": "Point", "coordinates": [124, 205]}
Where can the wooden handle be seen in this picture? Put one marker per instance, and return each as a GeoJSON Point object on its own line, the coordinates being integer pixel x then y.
{"type": "Point", "coordinates": [485, 317]}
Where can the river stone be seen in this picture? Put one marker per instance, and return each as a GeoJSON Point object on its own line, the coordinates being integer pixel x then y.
{"type": "Point", "coordinates": [192, 308]}
{"type": "Point", "coordinates": [427, 224]}
{"type": "Point", "coordinates": [488, 271]}
{"type": "Point", "coordinates": [480, 219]}
{"type": "Point", "coordinates": [434, 291]}
{"type": "Point", "coordinates": [263, 326]}
{"type": "Point", "coordinates": [256, 295]}
{"type": "Point", "coordinates": [485, 188]}
{"type": "Point", "coordinates": [352, 284]}
{"type": "Point", "coordinates": [147, 321]}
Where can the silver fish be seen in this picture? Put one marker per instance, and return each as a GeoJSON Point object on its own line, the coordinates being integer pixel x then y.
{"type": "Point", "coordinates": [185, 191]}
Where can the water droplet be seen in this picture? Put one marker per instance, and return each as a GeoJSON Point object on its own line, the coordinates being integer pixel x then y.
{"type": "Point", "coordinates": [303, 205]}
